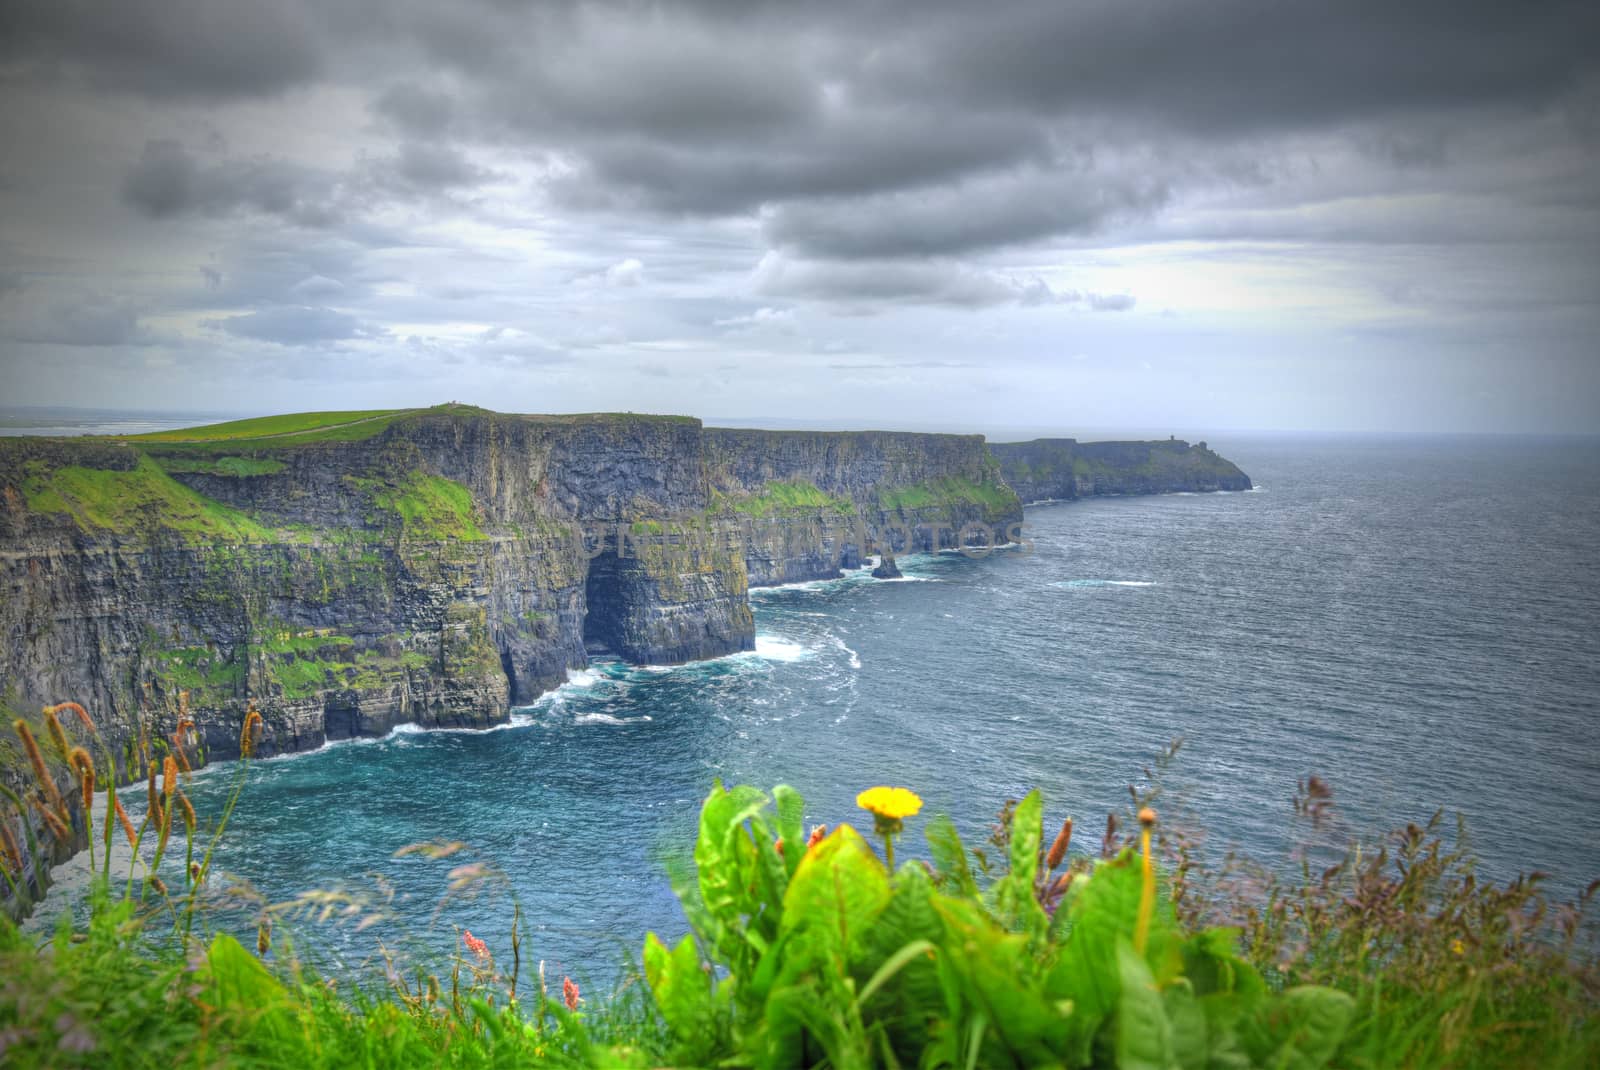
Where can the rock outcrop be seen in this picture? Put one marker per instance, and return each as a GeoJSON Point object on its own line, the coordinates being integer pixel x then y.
{"type": "Point", "coordinates": [887, 569]}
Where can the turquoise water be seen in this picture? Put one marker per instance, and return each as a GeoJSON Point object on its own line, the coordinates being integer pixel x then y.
{"type": "Point", "coordinates": [1412, 619]}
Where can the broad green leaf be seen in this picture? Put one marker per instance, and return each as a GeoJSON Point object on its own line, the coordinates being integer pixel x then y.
{"type": "Point", "coordinates": [791, 824]}
{"type": "Point", "coordinates": [998, 976]}
{"type": "Point", "coordinates": [682, 991]}
{"type": "Point", "coordinates": [838, 890]}
{"type": "Point", "coordinates": [725, 865]}
{"type": "Point", "coordinates": [1143, 1034]}
{"type": "Point", "coordinates": [1191, 1047]}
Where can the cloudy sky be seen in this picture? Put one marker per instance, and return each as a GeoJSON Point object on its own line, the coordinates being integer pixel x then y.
{"type": "Point", "coordinates": [1055, 214]}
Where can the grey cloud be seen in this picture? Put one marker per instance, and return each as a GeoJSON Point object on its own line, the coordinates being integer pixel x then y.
{"type": "Point", "coordinates": [296, 325]}
{"type": "Point", "coordinates": [167, 181]}
{"type": "Point", "coordinates": [864, 283]}
{"type": "Point", "coordinates": [415, 109]}
{"type": "Point", "coordinates": [77, 320]}
{"type": "Point", "coordinates": [1110, 302]}
{"type": "Point", "coordinates": [1244, 65]}
{"type": "Point", "coordinates": [985, 213]}
{"type": "Point", "coordinates": [423, 167]}
{"type": "Point", "coordinates": [315, 287]}
{"type": "Point", "coordinates": [197, 48]}
{"type": "Point", "coordinates": [848, 155]}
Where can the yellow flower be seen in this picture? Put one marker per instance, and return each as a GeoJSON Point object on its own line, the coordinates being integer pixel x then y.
{"type": "Point", "coordinates": [1458, 947]}
{"type": "Point", "coordinates": [890, 803]}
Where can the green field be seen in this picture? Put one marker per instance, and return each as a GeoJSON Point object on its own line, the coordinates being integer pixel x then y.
{"type": "Point", "coordinates": [299, 425]}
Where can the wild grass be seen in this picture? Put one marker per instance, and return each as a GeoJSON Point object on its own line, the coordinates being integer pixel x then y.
{"type": "Point", "coordinates": [233, 467]}
{"type": "Point", "coordinates": [138, 500]}
{"type": "Point", "coordinates": [429, 507]}
{"type": "Point", "coordinates": [814, 950]}
{"type": "Point", "coordinates": [300, 423]}
{"type": "Point", "coordinates": [995, 498]}
{"type": "Point", "coordinates": [786, 496]}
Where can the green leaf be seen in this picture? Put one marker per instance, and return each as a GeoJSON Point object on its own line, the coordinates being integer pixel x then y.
{"type": "Point", "coordinates": [791, 824]}
{"type": "Point", "coordinates": [997, 974]}
{"type": "Point", "coordinates": [1191, 1047]}
{"type": "Point", "coordinates": [725, 865]}
{"type": "Point", "coordinates": [950, 856]}
{"type": "Point", "coordinates": [682, 991]}
{"type": "Point", "coordinates": [891, 966]}
{"type": "Point", "coordinates": [839, 889]}
{"type": "Point", "coordinates": [1017, 906]}
{"type": "Point", "coordinates": [1143, 1033]}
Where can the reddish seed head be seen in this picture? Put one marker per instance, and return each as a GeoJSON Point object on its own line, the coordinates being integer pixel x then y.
{"type": "Point", "coordinates": [58, 735]}
{"type": "Point", "coordinates": [79, 759]}
{"type": "Point", "coordinates": [127, 824]}
{"type": "Point", "coordinates": [58, 828]}
{"type": "Point", "coordinates": [474, 945]}
{"type": "Point", "coordinates": [569, 993]}
{"type": "Point", "coordinates": [816, 836]}
{"type": "Point", "coordinates": [1058, 849]}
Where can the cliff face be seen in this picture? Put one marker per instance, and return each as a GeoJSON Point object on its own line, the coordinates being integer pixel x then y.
{"type": "Point", "coordinates": [437, 566]}
{"type": "Point", "coordinates": [1061, 469]}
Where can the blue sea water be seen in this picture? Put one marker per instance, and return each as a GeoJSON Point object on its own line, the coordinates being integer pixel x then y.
{"type": "Point", "coordinates": [1416, 620]}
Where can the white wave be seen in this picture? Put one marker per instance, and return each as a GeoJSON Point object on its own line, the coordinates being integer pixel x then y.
{"type": "Point", "coordinates": [777, 648]}
{"type": "Point", "coordinates": [855, 659]}
{"type": "Point", "coordinates": [1070, 584]}
{"type": "Point", "coordinates": [579, 679]}
{"type": "Point", "coordinates": [606, 718]}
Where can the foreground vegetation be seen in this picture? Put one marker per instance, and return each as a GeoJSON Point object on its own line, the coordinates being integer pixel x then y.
{"type": "Point", "coordinates": [816, 950]}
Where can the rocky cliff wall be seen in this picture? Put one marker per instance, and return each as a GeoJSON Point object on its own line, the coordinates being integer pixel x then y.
{"type": "Point", "coordinates": [1061, 469]}
{"type": "Point", "coordinates": [438, 566]}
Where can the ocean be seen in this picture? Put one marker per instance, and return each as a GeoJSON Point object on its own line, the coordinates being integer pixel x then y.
{"type": "Point", "coordinates": [1416, 620]}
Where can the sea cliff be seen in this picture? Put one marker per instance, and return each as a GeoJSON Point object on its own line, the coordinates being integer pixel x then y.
{"type": "Point", "coordinates": [1062, 469]}
{"type": "Point", "coordinates": [345, 573]}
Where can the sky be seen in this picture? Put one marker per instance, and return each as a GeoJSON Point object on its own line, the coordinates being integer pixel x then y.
{"type": "Point", "coordinates": [1237, 214]}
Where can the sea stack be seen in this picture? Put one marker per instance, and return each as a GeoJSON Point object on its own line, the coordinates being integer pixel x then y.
{"type": "Point", "coordinates": [887, 569]}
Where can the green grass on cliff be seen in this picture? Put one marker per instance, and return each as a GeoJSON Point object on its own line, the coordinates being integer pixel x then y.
{"type": "Point", "coordinates": [784, 496]}
{"type": "Point", "coordinates": [946, 491]}
{"type": "Point", "coordinates": [428, 507]}
{"type": "Point", "coordinates": [361, 423]}
{"type": "Point", "coordinates": [142, 499]}
{"type": "Point", "coordinates": [232, 467]}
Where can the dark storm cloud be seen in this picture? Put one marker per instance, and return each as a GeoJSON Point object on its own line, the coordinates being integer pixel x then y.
{"type": "Point", "coordinates": [998, 210]}
{"type": "Point", "coordinates": [856, 130]}
{"type": "Point", "coordinates": [168, 181]}
{"type": "Point", "coordinates": [1245, 64]}
{"type": "Point", "coordinates": [180, 48]}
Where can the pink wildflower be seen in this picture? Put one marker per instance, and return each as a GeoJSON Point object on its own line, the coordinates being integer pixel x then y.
{"type": "Point", "coordinates": [569, 993]}
{"type": "Point", "coordinates": [474, 945]}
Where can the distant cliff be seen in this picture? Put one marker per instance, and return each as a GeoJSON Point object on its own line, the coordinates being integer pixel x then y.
{"type": "Point", "coordinates": [1061, 469]}
{"type": "Point", "coordinates": [348, 572]}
